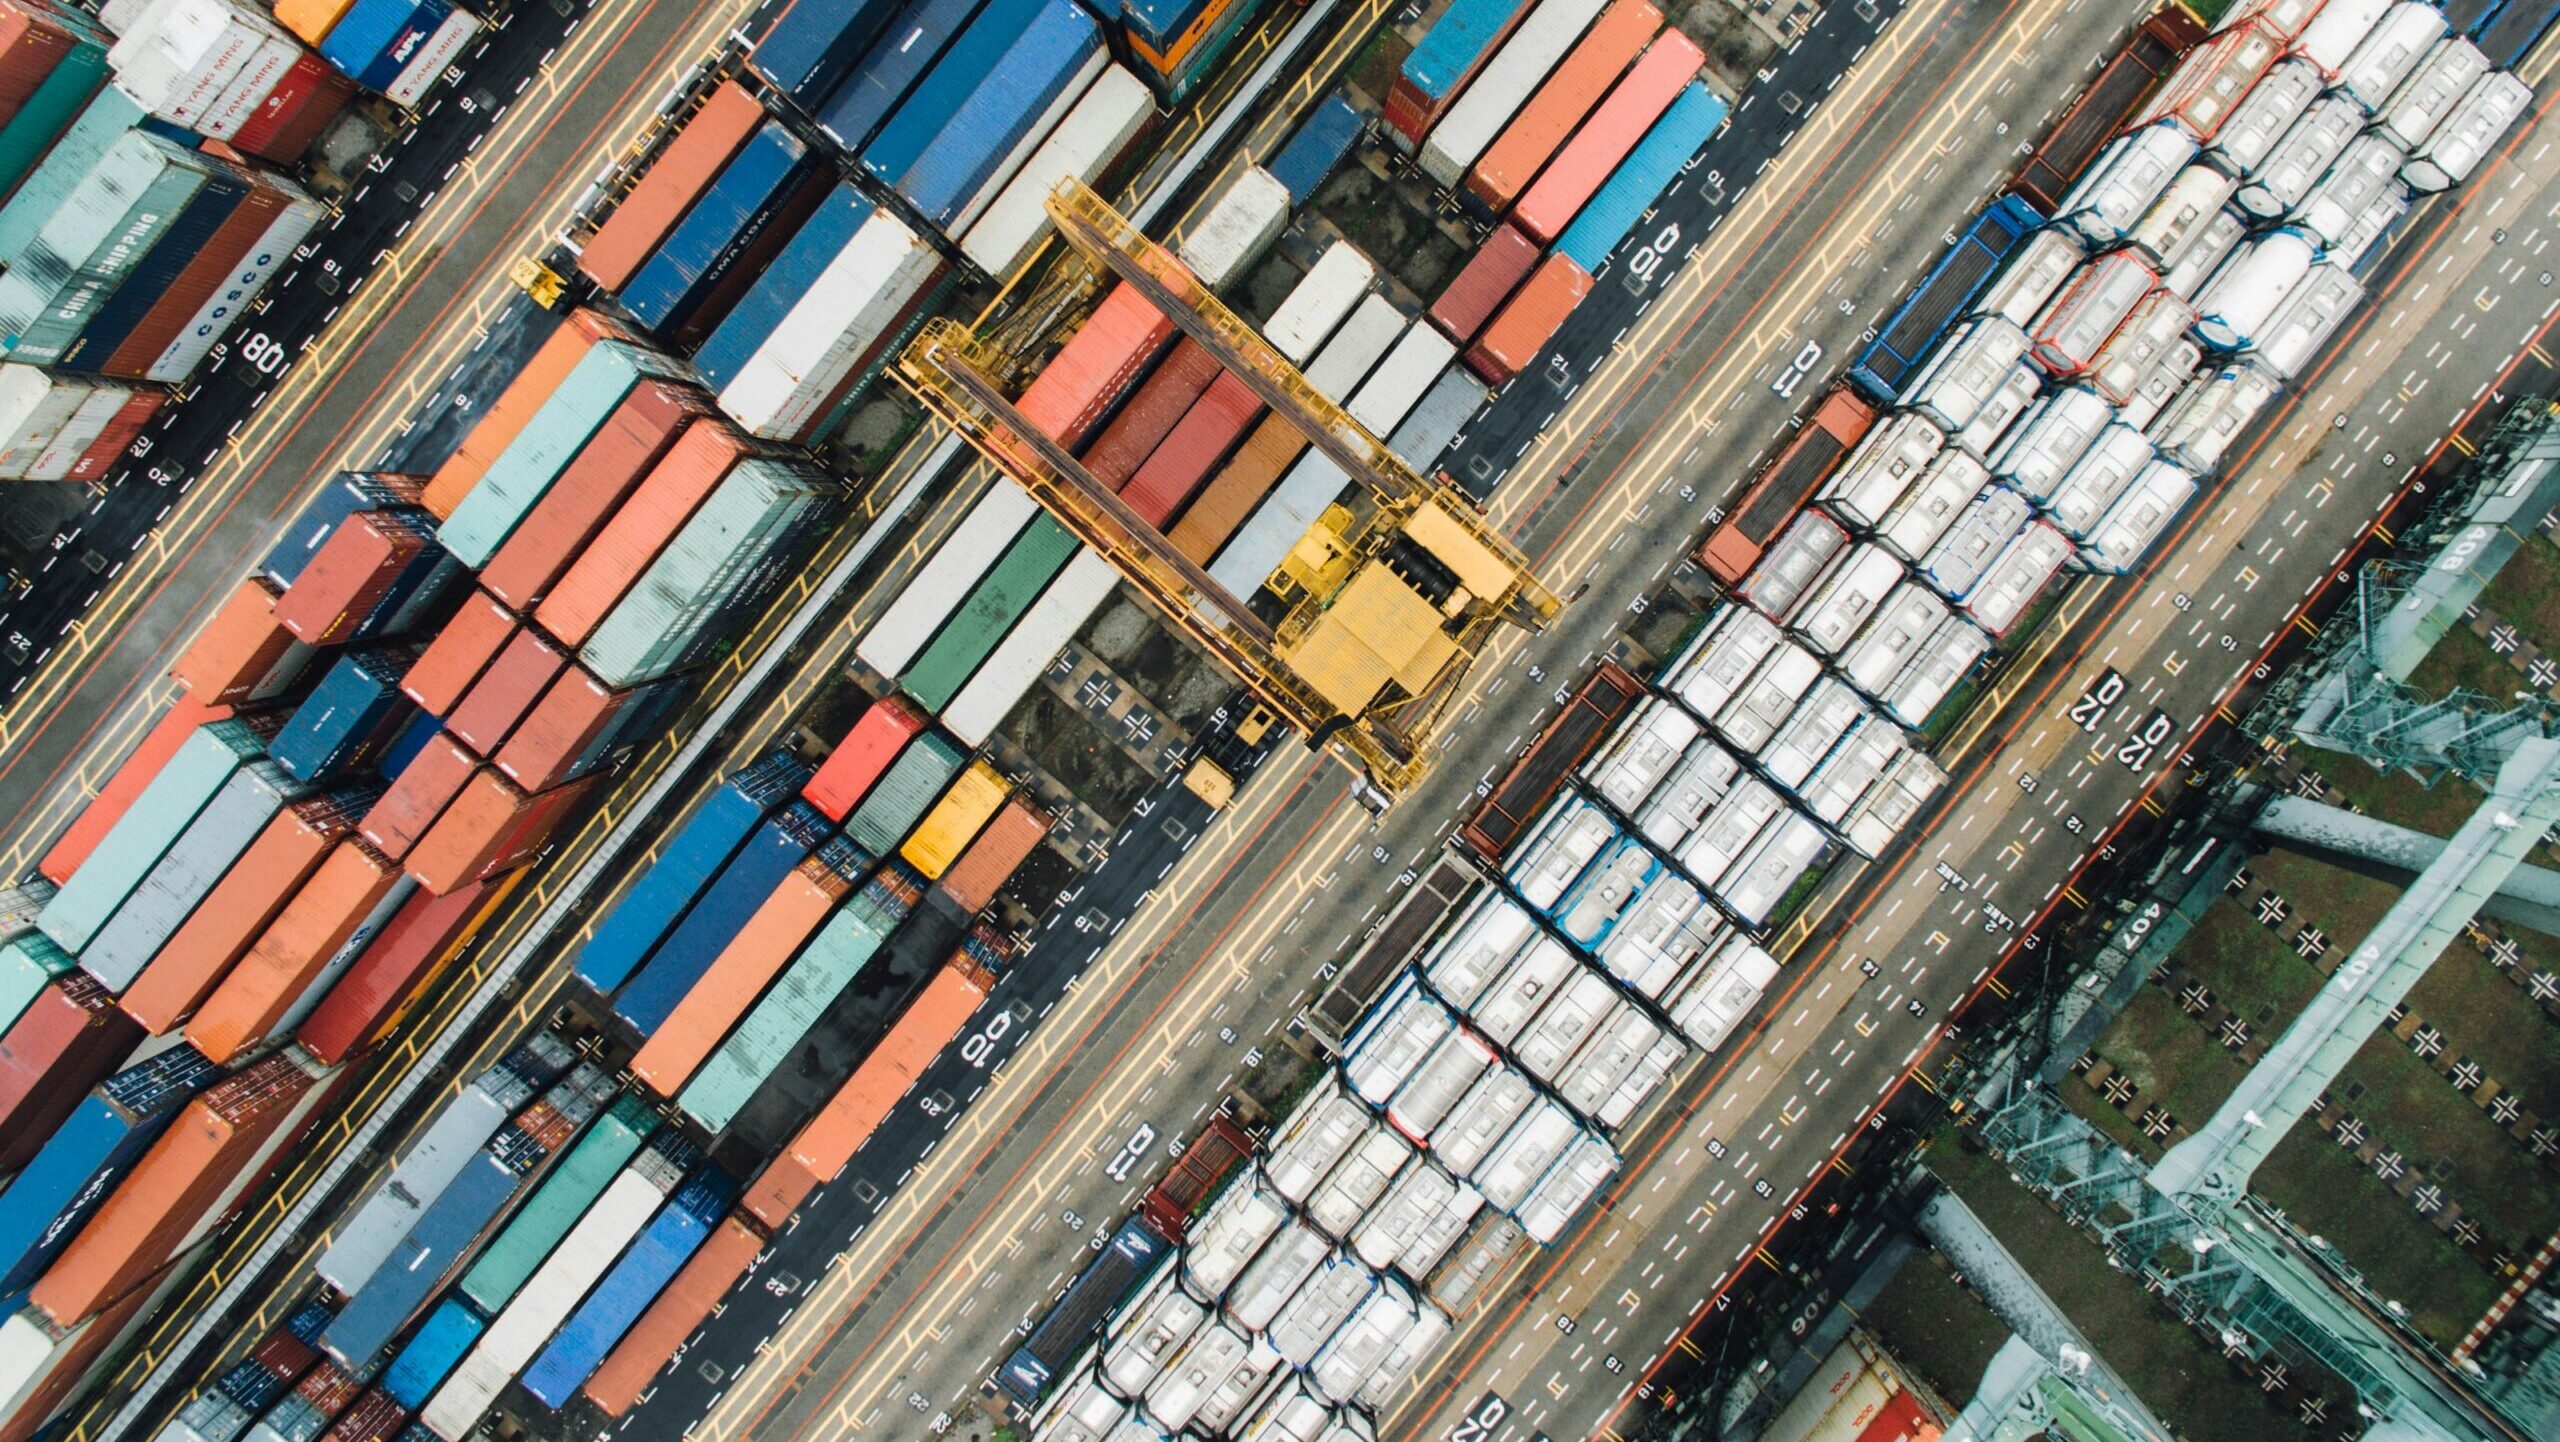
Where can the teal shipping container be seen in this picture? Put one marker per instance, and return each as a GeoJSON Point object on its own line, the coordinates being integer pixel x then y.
{"type": "Point", "coordinates": [556, 1205]}
{"type": "Point", "coordinates": [107, 118]}
{"type": "Point", "coordinates": [982, 621]}
{"type": "Point", "coordinates": [665, 622]}
{"type": "Point", "coordinates": [51, 111]}
{"type": "Point", "coordinates": [911, 784]}
{"type": "Point", "coordinates": [522, 474]}
{"type": "Point", "coordinates": [27, 962]}
{"type": "Point", "coordinates": [200, 857]}
{"type": "Point", "coordinates": [135, 192]}
{"type": "Point", "coordinates": [824, 968]}
{"type": "Point", "coordinates": [194, 774]}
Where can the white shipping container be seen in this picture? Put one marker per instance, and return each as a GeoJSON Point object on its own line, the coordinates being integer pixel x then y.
{"type": "Point", "coordinates": [2169, 373]}
{"type": "Point", "coordinates": [2205, 251]}
{"type": "Point", "coordinates": [1347, 1362]}
{"type": "Point", "coordinates": [2118, 543]}
{"type": "Point", "coordinates": [1568, 1188]}
{"type": "Point", "coordinates": [1325, 1126]}
{"type": "Point", "coordinates": [1312, 483]}
{"type": "Point", "coordinates": [181, 55]}
{"type": "Point", "coordinates": [1640, 754]}
{"type": "Point", "coordinates": [35, 405]}
{"type": "Point", "coordinates": [1319, 301]}
{"type": "Point", "coordinates": [1229, 1235]}
{"type": "Point", "coordinates": [2422, 102]}
{"type": "Point", "coordinates": [1933, 675]}
{"type": "Point", "coordinates": [1852, 767]}
{"type": "Point", "coordinates": [254, 80]}
{"type": "Point", "coordinates": [2264, 115]}
{"type": "Point", "coordinates": [2079, 321]}
{"type": "Point", "coordinates": [1886, 464]}
{"type": "Point", "coordinates": [1027, 650]}
{"type": "Point", "coordinates": [2448, 155]}
{"type": "Point", "coordinates": [81, 431]}
{"type": "Point", "coordinates": [1608, 1059]}
{"type": "Point", "coordinates": [2019, 576]}
{"type": "Point", "coordinates": [1893, 804]}
{"type": "Point", "coordinates": [1478, 949]}
{"type": "Point", "coordinates": [1819, 723]}
{"type": "Point", "coordinates": [2154, 329]}
{"type": "Point", "coordinates": [1905, 622]}
{"type": "Point", "coordinates": [1400, 1031]}
{"type": "Point", "coordinates": [1197, 1372]}
{"type": "Point", "coordinates": [2390, 53]}
{"type": "Point", "coordinates": [1970, 366]}
{"type": "Point", "coordinates": [2123, 182]}
{"type": "Point", "coordinates": [2031, 274]}
{"type": "Point", "coordinates": [2178, 218]}
{"type": "Point", "coordinates": [1015, 160]}
{"type": "Point", "coordinates": [1729, 648]}
{"type": "Point", "coordinates": [2234, 306]}
{"type": "Point", "coordinates": [1794, 563]}
{"type": "Point", "coordinates": [428, 66]}
{"type": "Point", "coordinates": [829, 332]}
{"type": "Point", "coordinates": [1397, 386]}
{"type": "Point", "coordinates": [2310, 314]}
{"type": "Point", "coordinates": [1481, 1118]}
{"type": "Point", "coordinates": [2200, 425]}
{"type": "Point", "coordinates": [2365, 179]}
{"type": "Point", "coordinates": [1502, 86]}
{"type": "Point", "coordinates": [1358, 1181]}
{"type": "Point", "coordinates": [1651, 1071]}
{"type": "Point", "coordinates": [945, 579]}
{"type": "Point", "coordinates": [1704, 775]}
{"type": "Point", "coordinates": [2333, 35]}
{"type": "Point", "coordinates": [248, 280]}
{"type": "Point", "coordinates": [1723, 995]}
{"type": "Point", "coordinates": [1269, 1283]}
{"type": "Point", "coordinates": [1574, 1011]}
{"type": "Point", "coordinates": [1572, 832]}
{"type": "Point", "coordinates": [1394, 1376]}
{"type": "Point", "coordinates": [1915, 525]}
{"type": "Point", "coordinates": [1147, 1332]}
{"type": "Point", "coordinates": [1721, 839]}
{"type": "Point", "coordinates": [1832, 613]}
{"type": "Point", "coordinates": [2102, 474]}
{"type": "Point", "coordinates": [1523, 991]}
{"type": "Point", "coordinates": [2000, 410]}
{"type": "Point", "coordinates": [1515, 1166]}
{"type": "Point", "coordinates": [1423, 1102]}
{"type": "Point", "coordinates": [1245, 219]}
{"type": "Point", "coordinates": [1092, 136]}
{"type": "Point", "coordinates": [2283, 17]}
{"type": "Point", "coordinates": [2299, 160]}
{"type": "Point", "coordinates": [1756, 712]}
{"type": "Point", "coordinates": [1956, 564]}
{"type": "Point", "coordinates": [2036, 456]}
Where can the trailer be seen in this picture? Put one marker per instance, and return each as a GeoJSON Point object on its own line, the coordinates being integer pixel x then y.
{"type": "Point", "coordinates": [2099, 115]}
{"type": "Point", "coordinates": [1524, 790]}
{"type": "Point", "coordinates": [1905, 341]}
{"type": "Point", "coordinates": [1734, 547]}
{"type": "Point", "coordinates": [1202, 1167]}
{"type": "Point", "coordinates": [1075, 1318]}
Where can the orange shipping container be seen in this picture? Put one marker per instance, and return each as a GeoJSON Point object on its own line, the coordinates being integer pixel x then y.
{"type": "Point", "coordinates": [1670, 63]}
{"type": "Point", "coordinates": [651, 208]}
{"type": "Point", "coordinates": [489, 828]}
{"type": "Point", "coordinates": [505, 691]}
{"type": "Point", "coordinates": [244, 654]}
{"type": "Point", "coordinates": [772, 935]}
{"type": "Point", "coordinates": [1226, 501]}
{"type": "Point", "coordinates": [418, 795]}
{"type": "Point", "coordinates": [1524, 146]}
{"type": "Point", "coordinates": [998, 852]}
{"type": "Point", "coordinates": [635, 438]}
{"type": "Point", "coordinates": [178, 1187]}
{"type": "Point", "coordinates": [556, 735]}
{"type": "Point", "coordinates": [312, 19]}
{"type": "Point", "coordinates": [1526, 324]}
{"type": "Point", "coordinates": [884, 1078]}
{"type": "Point", "coordinates": [425, 934]}
{"type": "Point", "coordinates": [632, 539]}
{"type": "Point", "coordinates": [444, 671]}
{"type": "Point", "coordinates": [350, 880]}
{"type": "Point", "coordinates": [1085, 379]}
{"type": "Point", "coordinates": [239, 908]}
{"type": "Point", "coordinates": [108, 807]}
{"type": "Point", "coordinates": [514, 409]}
{"type": "Point", "coordinates": [651, 1344]}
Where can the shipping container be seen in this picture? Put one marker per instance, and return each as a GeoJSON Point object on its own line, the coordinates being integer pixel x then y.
{"type": "Point", "coordinates": [491, 827]}
{"type": "Point", "coordinates": [240, 908]}
{"type": "Point", "coordinates": [197, 770]}
{"type": "Point", "coordinates": [811, 46]}
{"type": "Point", "coordinates": [243, 655]}
{"type": "Point", "coordinates": [1320, 300]}
{"type": "Point", "coordinates": [2466, 135]}
{"type": "Point", "coordinates": [506, 689]}
{"type": "Point", "coordinates": [990, 609]}
{"type": "Point", "coordinates": [971, 885]}
{"type": "Point", "coordinates": [28, 960]}
{"type": "Point", "coordinates": [52, 107]}
{"type": "Point", "coordinates": [113, 443]}
{"type": "Point", "coordinates": [837, 333]}
{"type": "Point", "coordinates": [910, 785]}
{"type": "Point", "coordinates": [1549, 206]}
{"type": "Point", "coordinates": [771, 937]}
{"type": "Point", "coordinates": [631, 928]}
{"type": "Point", "coordinates": [1247, 216]}
{"type": "Point", "coordinates": [582, 726]}
{"type": "Point", "coordinates": [1536, 46]}
{"type": "Point", "coordinates": [1071, 395]}
{"type": "Point", "coordinates": [955, 820]}
{"type": "Point", "coordinates": [68, 1039]}
{"type": "Point", "coordinates": [148, 288]}
{"type": "Point", "coordinates": [1160, 402]}
{"type": "Point", "coordinates": [857, 761]}
{"type": "Point", "coordinates": [291, 954]}
{"type": "Point", "coordinates": [1316, 147]}
{"type": "Point", "coordinates": [500, 1271]}
{"type": "Point", "coordinates": [1586, 75]}
{"type": "Point", "coordinates": [385, 980]}
{"type": "Point", "coordinates": [795, 271]}
{"type": "Point", "coordinates": [718, 915]}
{"type": "Point", "coordinates": [432, 1352]}
{"type": "Point", "coordinates": [82, 251]}
{"type": "Point", "coordinates": [1022, 95]}
{"type": "Point", "coordinates": [679, 1311]}
{"type": "Point", "coordinates": [632, 540]}
{"type": "Point", "coordinates": [1906, 341]}
{"type": "Point", "coordinates": [2098, 116]}
{"type": "Point", "coordinates": [890, 69]}
{"type": "Point", "coordinates": [178, 883]}
{"type": "Point", "coordinates": [112, 801]}
{"type": "Point", "coordinates": [1531, 782]}
{"type": "Point", "coordinates": [662, 1249]}
{"type": "Point", "coordinates": [1207, 433]}
{"type": "Point", "coordinates": [2209, 82]}
{"type": "Point", "coordinates": [351, 575]}
{"type": "Point", "coordinates": [240, 288]}
{"type": "Point", "coordinates": [1487, 280]}
{"type": "Point", "coordinates": [2237, 302]}
{"type": "Point", "coordinates": [705, 143]}
{"type": "Point", "coordinates": [1631, 190]}
{"type": "Point", "coordinates": [723, 561]}
{"type": "Point", "coordinates": [418, 794]}
{"type": "Point", "coordinates": [352, 713]}
{"type": "Point", "coordinates": [593, 396]}
{"type": "Point", "coordinates": [1442, 63]}
{"type": "Point", "coordinates": [81, 1163]}
{"type": "Point", "coordinates": [1030, 648]}
{"type": "Point", "coordinates": [41, 1363]}
{"type": "Point", "coordinates": [552, 533]}
{"type": "Point", "coordinates": [1840, 422]}
{"type": "Point", "coordinates": [345, 496]}
{"type": "Point", "coordinates": [515, 408]}
{"type": "Point", "coordinates": [820, 1149]}
{"type": "Point", "coordinates": [1529, 320]}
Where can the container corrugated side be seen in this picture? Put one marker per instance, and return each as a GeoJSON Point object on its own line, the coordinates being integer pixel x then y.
{"type": "Point", "coordinates": [287, 958]}
{"type": "Point", "coordinates": [500, 1271]}
{"type": "Point", "coordinates": [522, 474]}
{"type": "Point", "coordinates": [630, 542]}
{"type": "Point", "coordinates": [1640, 179]}
{"type": "Point", "coordinates": [1017, 831]}
{"type": "Point", "coordinates": [832, 330]}
{"type": "Point", "coordinates": [68, 1039]}
{"type": "Point", "coordinates": [891, 810]}
{"type": "Point", "coordinates": [47, 1204]}
{"type": "Point", "coordinates": [728, 1079]}
{"type": "Point", "coordinates": [771, 937]}
{"type": "Point", "coordinates": [716, 917]}
{"type": "Point", "coordinates": [762, 507]}
{"type": "Point", "coordinates": [992, 608]}
{"type": "Point", "coordinates": [1537, 45]}
{"type": "Point", "coordinates": [1088, 142]}
{"type": "Point", "coordinates": [705, 143]}
{"type": "Point", "coordinates": [813, 44]}
{"type": "Point", "coordinates": [411, 950]}
{"type": "Point", "coordinates": [431, 1352]}
{"type": "Point", "coordinates": [1016, 664]}
{"type": "Point", "coordinates": [921, 606]}
{"type": "Point", "coordinates": [365, 1238]}
{"type": "Point", "coordinates": [919, 117]}
{"type": "Point", "coordinates": [846, 776]}
{"type": "Point", "coordinates": [238, 910]}
{"type": "Point", "coordinates": [955, 820]}
{"type": "Point", "coordinates": [239, 289]}
{"type": "Point", "coordinates": [890, 69]}
{"type": "Point", "coordinates": [794, 271]}
{"type": "Point", "coordinates": [183, 877]}
{"type": "Point", "coordinates": [1612, 130]}
{"type": "Point", "coordinates": [514, 409]}
{"type": "Point", "coordinates": [955, 173]}
{"type": "Point", "coordinates": [632, 926]}
{"type": "Point", "coordinates": [600, 1321]}
{"type": "Point", "coordinates": [200, 767]}
{"type": "Point", "coordinates": [679, 1310]}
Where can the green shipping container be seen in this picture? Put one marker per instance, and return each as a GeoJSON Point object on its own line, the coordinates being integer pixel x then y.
{"type": "Point", "coordinates": [27, 962]}
{"type": "Point", "coordinates": [822, 971]}
{"type": "Point", "coordinates": [1002, 595]}
{"type": "Point", "coordinates": [913, 782]}
{"type": "Point", "coordinates": [523, 473]}
{"type": "Point", "coordinates": [132, 187]}
{"type": "Point", "coordinates": [556, 1205]}
{"type": "Point", "coordinates": [663, 623]}
{"type": "Point", "coordinates": [103, 270]}
{"type": "Point", "coordinates": [49, 112]}
{"type": "Point", "coordinates": [81, 150]}
{"type": "Point", "coordinates": [140, 837]}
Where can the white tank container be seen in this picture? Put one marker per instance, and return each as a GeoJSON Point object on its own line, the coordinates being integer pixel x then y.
{"type": "Point", "coordinates": [2082, 500]}
{"type": "Point", "coordinates": [2137, 520]}
{"type": "Point", "coordinates": [2333, 35]}
{"type": "Point", "coordinates": [2032, 273]}
{"type": "Point", "coordinates": [2200, 425]}
{"type": "Point", "coordinates": [2124, 181]}
{"type": "Point", "coordinates": [2299, 160]}
{"type": "Point", "coordinates": [2450, 152]}
{"type": "Point", "coordinates": [2020, 575]}
{"type": "Point", "coordinates": [2210, 245]}
{"type": "Point", "coordinates": [2365, 180]}
{"type": "Point", "coordinates": [2264, 115]}
{"type": "Point", "coordinates": [2430, 93]}
{"type": "Point", "coordinates": [2312, 312]}
{"type": "Point", "coordinates": [2390, 53]}
{"type": "Point", "coordinates": [1922, 517]}
{"type": "Point", "coordinates": [1885, 466]}
{"type": "Point", "coordinates": [1971, 365]}
{"type": "Point", "coordinates": [2233, 307]}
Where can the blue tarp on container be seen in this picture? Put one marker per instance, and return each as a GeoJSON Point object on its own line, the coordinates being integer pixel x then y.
{"type": "Point", "coordinates": [1446, 56]}
{"type": "Point", "coordinates": [319, 520]}
{"type": "Point", "coordinates": [783, 283]}
{"type": "Point", "coordinates": [347, 717]}
{"type": "Point", "coordinates": [1640, 179]}
{"type": "Point", "coordinates": [432, 1354]}
{"type": "Point", "coordinates": [813, 45]}
{"type": "Point", "coordinates": [945, 87]}
{"type": "Point", "coordinates": [1316, 149]}
{"type": "Point", "coordinates": [671, 283]}
{"type": "Point", "coordinates": [404, 1282]}
{"type": "Point", "coordinates": [45, 1206]}
{"type": "Point", "coordinates": [890, 68]}
{"type": "Point", "coordinates": [360, 35]}
{"type": "Point", "coordinates": [626, 1291]}
{"type": "Point", "coordinates": [958, 164]}
{"type": "Point", "coordinates": [691, 858]}
{"type": "Point", "coordinates": [143, 286]}
{"type": "Point", "coordinates": [719, 914]}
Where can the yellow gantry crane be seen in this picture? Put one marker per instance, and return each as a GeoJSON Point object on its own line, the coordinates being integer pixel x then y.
{"type": "Point", "coordinates": [1388, 600]}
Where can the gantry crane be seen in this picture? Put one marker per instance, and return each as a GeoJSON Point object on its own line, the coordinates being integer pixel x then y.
{"type": "Point", "coordinates": [1385, 607]}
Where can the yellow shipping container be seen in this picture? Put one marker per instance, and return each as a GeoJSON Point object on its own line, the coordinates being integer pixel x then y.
{"type": "Point", "coordinates": [955, 820]}
{"type": "Point", "coordinates": [312, 19]}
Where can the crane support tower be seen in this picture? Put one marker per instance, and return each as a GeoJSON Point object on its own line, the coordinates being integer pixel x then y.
{"type": "Point", "coordinates": [1386, 603]}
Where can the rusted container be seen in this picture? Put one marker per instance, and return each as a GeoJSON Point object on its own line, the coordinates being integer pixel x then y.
{"type": "Point", "coordinates": [651, 1344]}
{"type": "Point", "coordinates": [243, 655]}
{"type": "Point", "coordinates": [350, 575]}
{"type": "Point", "coordinates": [66, 1041]}
{"type": "Point", "coordinates": [1090, 373]}
{"type": "Point", "coordinates": [413, 949]}
{"type": "Point", "coordinates": [507, 689]}
{"type": "Point", "coordinates": [1531, 319]}
{"type": "Point", "coordinates": [491, 827]}
{"type": "Point", "coordinates": [1586, 161]}
{"type": "Point", "coordinates": [1490, 276]}
{"type": "Point", "coordinates": [116, 797]}
{"type": "Point", "coordinates": [1589, 69]}
{"type": "Point", "coordinates": [580, 725]}
{"type": "Point", "coordinates": [1143, 424]}
{"type": "Point", "coordinates": [290, 953]}
{"type": "Point", "coordinates": [648, 519]}
{"type": "Point", "coordinates": [773, 933]}
{"type": "Point", "coordinates": [972, 883]}
{"type": "Point", "coordinates": [507, 417]}
{"type": "Point", "coordinates": [631, 441]}
{"type": "Point", "coordinates": [418, 795]}
{"type": "Point", "coordinates": [1227, 500]}
{"type": "Point", "coordinates": [875, 740]}
{"type": "Point", "coordinates": [710, 136]}
{"type": "Point", "coordinates": [1207, 433]}
{"type": "Point", "coordinates": [458, 654]}
{"type": "Point", "coordinates": [239, 909]}
{"type": "Point", "coordinates": [122, 430]}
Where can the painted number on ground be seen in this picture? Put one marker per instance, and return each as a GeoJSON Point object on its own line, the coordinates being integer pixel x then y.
{"type": "Point", "coordinates": [2136, 752]}
{"type": "Point", "coordinates": [2090, 711]}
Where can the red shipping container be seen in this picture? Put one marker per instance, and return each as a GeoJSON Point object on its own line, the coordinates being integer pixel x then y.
{"type": "Point", "coordinates": [243, 654]}
{"type": "Point", "coordinates": [305, 99]}
{"type": "Point", "coordinates": [31, 44]}
{"type": "Point", "coordinates": [1090, 372]}
{"type": "Point", "coordinates": [1271, 449]}
{"type": "Point", "coordinates": [633, 439]}
{"type": "Point", "coordinates": [505, 691]}
{"type": "Point", "coordinates": [290, 953]}
{"type": "Point", "coordinates": [108, 807]}
{"type": "Point", "coordinates": [657, 509]}
{"type": "Point", "coordinates": [865, 752]}
{"type": "Point", "coordinates": [491, 827]}
{"type": "Point", "coordinates": [454, 660]}
{"type": "Point", "coordinates": [1604, 140]}
{"type": "Point", "coordinates": [1151, 414]}
{"type": "Point", "coordinates": [350, 574]}
{"type": "Point", "coordinates": [1490, 276]}
{"type": "Point", "coordinates": [982, 870]}
{"type": "Point", "coordinates": [181, 1186]}
{"type": "Point", "coordinates": [556, 736]}
{"type": "Point", "coordinates": [418, 795]}
{"type": "Point", "coordinates": [235, 912]}
{"type": "Point", "coordinates": [1202, 439]}
{"type": "Point", "coordinates": [415, 945]}
{"type": "Point", "coordinates": [514, 408]}
{"type": "Point", "coordinates": [1529, 321]}
{"type": "Point", "coordinates": [66, 1368]}
{"type": "Point", "coordinates": [66, 1041]}
{"type": "Point", "coordinates": [123, 428]}
{"type": "Point", "coordinates": [196, 283]}
{"type": "Point", "coordinates": [651, 1343]}
{"type": "Point", "coordinates": [681, 172]}
{"type": "Point", "coordinates": [1589, 69]}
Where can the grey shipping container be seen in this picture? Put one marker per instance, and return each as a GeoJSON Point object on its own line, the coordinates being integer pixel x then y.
{"type": "Point", "coordinates": [190, 779]}
{"type": "Point", "coordinates": [198, 859]}
{"type": "Point", "coordinates": [669, 614]}
{"type": "Point", "coordinates": [911, 784]}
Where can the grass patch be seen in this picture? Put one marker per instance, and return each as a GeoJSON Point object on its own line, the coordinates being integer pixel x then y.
{"type": "Point", "coordinates": [1937, 1326]}
{"type": "Point", "coordinates": [2406, 1105]}
{"type": "Point", "coordinates": [2486, 1019]}
{"type": "Point", "coordinates": [2249, 968]}
{"type": "Point", "coordinates": [2527, 590]}
{"type": "Point", "coordinates": [2437, 810]}
{"type": "Point", "coordinates": [2341, 903]}
{"type": "Point", "coordinates": [2463, 659]}
{"type": "Point", "coordinates": [2171, 1060]}
{"type": "Point", "coordinates": [2326, 1192]}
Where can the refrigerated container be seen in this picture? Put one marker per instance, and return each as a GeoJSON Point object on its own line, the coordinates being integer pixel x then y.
{"type": "Point", "coordinates": [1955, 565]}
{"type": "Point", "coordinates": [2342, 205]}
{"type": "Point", "coordinates": [2375, 70]}
{"type": "Point", "coordinates": [1247, 216]}
{"type": "Point", "coordinates": [1018, 661]}
{"type": "Point", "coordinates": [1793, 563]}
{"type": "Point", "coordinates": [1831, 611]}
{"type": "Point", "coordinates": [1932, 676]}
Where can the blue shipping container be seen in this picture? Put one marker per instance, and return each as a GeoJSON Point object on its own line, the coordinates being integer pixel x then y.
{"type": "Point", "coordinates": [48, 1203]}
{"type": "Point", "coordinates": [343, 496]}
{"type": "Point", "coordinates": [419, 1263]}
{"type": "Point", "coordinates": [627, 1290]}
{"type": "Point", "coordinates": [404, 45]}
{"type": "Point", "coordinates": [1316, 149]}
{"type": "Point", "coordinates": [1639, 180]}
{"type": "Point", "coordinates": [934, 101]}
{"type": "Point", "coordinates": [895, 61]}
{"type": "Point", "coordinates": [715, 919]}
{"type": "Point", "coordinates": [697, 852]}
{"type": "Point", "coordinates": [432, 1354]}
{"type": "Point", "coordinates": [355, 710]}
{"type": "Point", "coordinates": [960, 162]}
{"type": "Point", "coordinates": [1900, 345]}
{"type": "Point", "coordinates": [1161, 22]}
{"type": "Point", "coordinates": [353, 44]}
{"type": "Point", "coordinates": [669, 285]}
{"type": "Point", "coordinates": [821, 238]}
{"type": "Point", "coordinates": [309, 1320]}
{"type": "Point", "coordinates": [251, 1385]}
{"type": "Point", "coordinates": [1457, 44]}
{"type": "Point", "coordinates": [412, 740]}
{"type": "Point", "coordinates": [813, 44]}
{"type": "Point", "coordinates": [143, 286]}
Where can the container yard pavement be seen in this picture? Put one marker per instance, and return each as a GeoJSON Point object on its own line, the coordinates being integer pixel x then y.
{"type": "Point", "coordinates": [925, 1300]}
{"type": "Point", "coordinates": [403, 328]}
